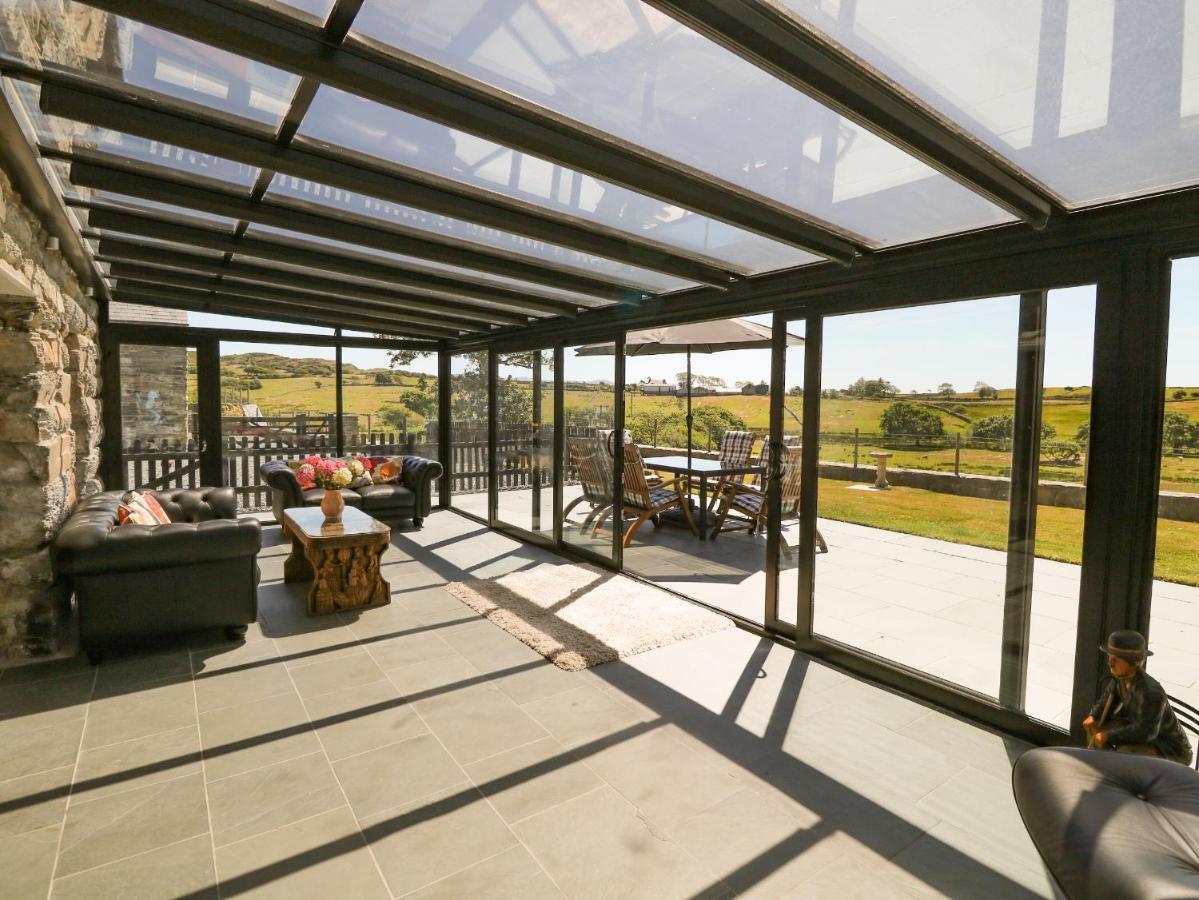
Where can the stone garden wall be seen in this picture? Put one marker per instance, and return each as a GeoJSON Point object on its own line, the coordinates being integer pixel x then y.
{"type": "Point", "coordinates": [49, 425]}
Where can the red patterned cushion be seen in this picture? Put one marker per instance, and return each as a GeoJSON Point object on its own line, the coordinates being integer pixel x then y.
{"type": "Point", "coordinates": [142, 509]}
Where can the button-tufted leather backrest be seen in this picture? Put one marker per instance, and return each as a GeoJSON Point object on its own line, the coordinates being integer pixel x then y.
{"type": "Point", "coordinates": [198, 504]}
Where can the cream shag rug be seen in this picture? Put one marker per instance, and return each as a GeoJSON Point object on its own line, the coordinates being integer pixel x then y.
{"type": "Point", "coordinates": [579, 616]}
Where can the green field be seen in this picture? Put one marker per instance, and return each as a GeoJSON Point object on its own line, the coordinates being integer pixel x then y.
{"type": "Point", "coordinates": [984, 523]}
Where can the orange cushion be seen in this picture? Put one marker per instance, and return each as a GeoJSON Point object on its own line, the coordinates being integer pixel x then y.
{"type": "Point", "coordinates": [142, 509]}
{"type": "Point", "coordinates": [389, 472]}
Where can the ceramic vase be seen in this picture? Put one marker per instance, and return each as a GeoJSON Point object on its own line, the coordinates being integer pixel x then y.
{"type": "Point", "coordinates": [332, 505]}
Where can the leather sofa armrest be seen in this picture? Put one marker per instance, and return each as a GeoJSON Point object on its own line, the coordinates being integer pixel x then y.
{"type": "Point", "coordinates": [280, 476]}
{"type": "Point", "coordinates": [90, 550]}
{"type": "Point", "coordinates": [418, 476]}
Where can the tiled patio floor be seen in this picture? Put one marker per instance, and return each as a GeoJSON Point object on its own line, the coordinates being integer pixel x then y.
{"type": "Point", "coordinates": [417, 750]}
{"type": "Point", "coordinates": [933, 605]}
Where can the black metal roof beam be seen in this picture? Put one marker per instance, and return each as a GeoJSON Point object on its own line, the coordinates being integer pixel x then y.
{"type": "Point", "coordinates": [417, 86]}
{"type": "Point", "coordinates": [104, 172]}
{"type": "Point", "coordinates": [419, 324]}
{"type": "Point", "coordinates": [773, 40]}
{"type": "Point", "coordinates": [108, 104]}
{"type": "Point", "coordinates": [251, 298]}
{"type": "Point", "coordinates": [240, 283]}
{"type": "Point", "coordinates": [167, 227]}
{"type": "Point", "coordinates": [117, 250]}
{"type": "Point", "coordinates": [173, 298]}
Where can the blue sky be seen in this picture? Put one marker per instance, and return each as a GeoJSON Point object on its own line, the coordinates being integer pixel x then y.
{"type": "Point", "coordinates": [917, 348]}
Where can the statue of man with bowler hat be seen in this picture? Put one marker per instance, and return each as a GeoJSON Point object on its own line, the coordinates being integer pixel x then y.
{"type": "Point", "coordinates": [1133, 713]}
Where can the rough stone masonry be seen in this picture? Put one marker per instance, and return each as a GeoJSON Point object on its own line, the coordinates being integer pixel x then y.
{"type": "Point", "coordinates": [49, 427]}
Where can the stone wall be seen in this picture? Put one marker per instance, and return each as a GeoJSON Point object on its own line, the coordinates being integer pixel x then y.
{"type": "Point", "coordinates": [49, 426]}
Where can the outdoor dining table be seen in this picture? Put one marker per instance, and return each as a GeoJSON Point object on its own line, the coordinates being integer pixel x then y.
{"type": "Point", "coordinates": [702, 470]}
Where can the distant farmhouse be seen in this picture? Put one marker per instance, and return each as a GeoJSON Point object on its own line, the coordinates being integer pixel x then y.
{"type": "Point", "coordinates": [656, 386]}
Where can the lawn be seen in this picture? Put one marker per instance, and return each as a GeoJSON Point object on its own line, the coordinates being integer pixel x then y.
{"type": "Point", "coordinates": [984, 523]}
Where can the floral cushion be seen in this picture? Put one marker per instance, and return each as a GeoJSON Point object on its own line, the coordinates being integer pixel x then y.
{"type": "Point", "coordinates": [387, 470]}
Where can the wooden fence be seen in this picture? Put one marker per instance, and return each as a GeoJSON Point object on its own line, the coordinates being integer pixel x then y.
{"type": "Point", "coordinates": [523, 456]}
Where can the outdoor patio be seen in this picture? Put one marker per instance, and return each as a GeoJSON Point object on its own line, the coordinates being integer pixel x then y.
{"type": "Point", "coordinates": [932, 605]}
{"type": "Point", "coordinates": [418, 750]}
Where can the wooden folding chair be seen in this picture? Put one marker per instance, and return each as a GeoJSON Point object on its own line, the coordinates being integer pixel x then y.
{"type": "Point", "coordinates": [642, 501]}
{"type": "Point", "coordinates": [748, 502]}
{"type": "Point", "coordinates": [590, 459]}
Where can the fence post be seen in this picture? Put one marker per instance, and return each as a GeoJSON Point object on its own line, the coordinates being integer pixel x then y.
{"type": "Point", "coordinates": [957, 457]}
{"type": "Point", "coordinates": [855, 449]}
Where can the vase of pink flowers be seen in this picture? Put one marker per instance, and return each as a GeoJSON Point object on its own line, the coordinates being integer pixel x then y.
{"type": "Point", "coordinates": [330, 474]}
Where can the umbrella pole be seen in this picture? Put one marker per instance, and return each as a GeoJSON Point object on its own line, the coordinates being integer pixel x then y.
{"type": "Point", "coordinates": [688, 406]}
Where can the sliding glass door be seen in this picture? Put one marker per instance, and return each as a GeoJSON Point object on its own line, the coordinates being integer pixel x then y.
{"type": "Point", "coordinates": [524, 473]}
{"type": "Point", "coordinates": [589, 396]}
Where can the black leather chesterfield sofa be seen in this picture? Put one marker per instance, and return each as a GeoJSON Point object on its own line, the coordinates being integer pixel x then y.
{"type": "Point", "coordinates": [200, 571]}
{"type": "Point", "coordinates": [1111, 825]}
{"type": "Point", "coordinates": [411, 499]}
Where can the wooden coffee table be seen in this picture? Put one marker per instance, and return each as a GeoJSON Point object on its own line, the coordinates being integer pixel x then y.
{"type": "Point", "coordinates": [341, 559]}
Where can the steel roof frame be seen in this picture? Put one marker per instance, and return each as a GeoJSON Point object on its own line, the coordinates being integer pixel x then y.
{"type": "Point", "coordinates": [102, 171]}
{"type": "Point", "coordinates": [406, 82]}
{"type": "Point", "coordinates": [243, 300]}
{"type": "Point", "coordinates": [148, 275]}
{"type": "Point", "coordinates": [778, 43]}
{"type": "Point", "coordinates": [176, 229]}
{"type": "Point", "coordinates": [115, 250]}
{"type": "Point", "coordinates": [153, 116]}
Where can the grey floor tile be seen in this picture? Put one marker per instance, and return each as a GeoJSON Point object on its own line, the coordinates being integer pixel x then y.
{"type": "Point", "coordinates": [976, 746]}
{"type": "Point", "coordinates": [304, 641]}
{"type": "Point", "coordinates": [53, 668]}
{"type": "Point", "coordinates": [434, 676]}
{"type": "Point", "coordinates": [179, 870]}
{"type": "Point", "coordinates": [224, 656]}
{"type": "Point", "coordinates": [51, 701]}
{"type": "Point", "coordinates": [28, 863]}
{"type": "Point", "coordinates": [238, 686]}
{"type": "Point", "coordinates": [336, 674]}
{"type": "Point", "coordinates": [510, 875]}
{"type": "Point", "coordinates": [858, 874]}
{"type": "Point", "coordinates": [540, 680]}
{"type": "Point", "coordinates": [34, 801]}
{"type": "Point", "coordinates": [958, 863]}
{"type": "Point", "coordinates": [126, 670]}
{"type": "Point", "coordinates": [363, 718]}
{"type": "Point", "coordinates": [532, 778]}
{"type": "Point", "coordinates": [582, 715]}
{"type": "Point", "coordinates": [664, 778]}
{"type": "Point", "coordinates": [477, 721]}
{"type": "Point", "coordinates": [140, 711]}
{"type": "Point", "coordinates": [136, 763]}
{"type": "Point", "coordinates": [29, 750]}
{"type": "Point", "coordinates": [397, 774]}
{"type": "Point", "coordinates": [407, 649]}
{"type": "Point", "coordinates": [239, 738]}
{"type": "Point", "coordinates": [761, 845]}
{"type": "Point", "coordinates": [267, 798]}
{"type": "Point", "coordinates": [427, 840]}
{"type": "Point", "coordinates": [320, 857]}
{"type": "Point", "coordinates": [598, 845]}
{"type": "Point", "coordinates": [121, 825]}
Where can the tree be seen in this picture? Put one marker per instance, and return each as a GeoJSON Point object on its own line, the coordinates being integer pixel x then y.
{"type": "Point", "coordinates": [383, 378]}
{"type": "Point", "coordinates": [714, 421]}
{"type": "Point", "coordinates": [708, 381]}
{"type": "Point", "coordinates": [1180, 431]}
{"type": "Point", "coordinates": [1083, 435]}
{"type": "Point", "coordinates": [945, 389]}
{"type": "Point", "coordinates": [1179, 394]}
{"type": "Point", "coordinates": [1003, 428]}
{"type": "Point", "coordinates": [317, 383]}
{"type": "Point", "coordinates": [910, 419]}
{"type": "Point", "coordinates": [985, 391]}
{"type": "Point", "coordinates": [795, 390]}
{"type": "Point", "coordinates": [872, 389]}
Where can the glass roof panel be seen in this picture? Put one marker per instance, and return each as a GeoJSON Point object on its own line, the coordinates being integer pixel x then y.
{"type": "Point", "coordinates": [628, 70]}
{"type": "Point", "coordinates": [286, 186]}
{"type": "Point", "coordinates": [345, 120]}
{"type": "Point", "coordinates": [1098, 100]}
{"type": "Point", "coordinates": [318, 9]}
{"type": "Point", "coordinates": [90, 40]}
{"type": "Point", "coordinates": [465, 275]}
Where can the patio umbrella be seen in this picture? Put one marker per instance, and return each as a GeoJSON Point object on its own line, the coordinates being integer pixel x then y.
{"type": "Point", "coordinates": [695, 337]}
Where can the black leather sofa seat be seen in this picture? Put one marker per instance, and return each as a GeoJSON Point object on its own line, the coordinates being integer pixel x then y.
{"type": "Point", "coordinates": [1111, 825]}
{"type": "Point", "coordinates": [411, 499]}
{"type": "Point", "coordinates": [200, 571]}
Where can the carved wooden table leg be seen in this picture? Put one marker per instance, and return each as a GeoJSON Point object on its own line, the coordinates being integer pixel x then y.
{"type": "Point", "coordinates": [346, 578]}
{"type": "Point", "coordinates": [296, 567]}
